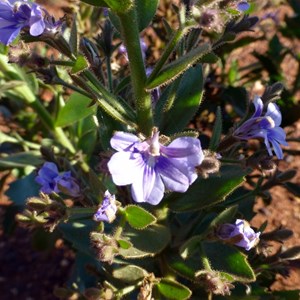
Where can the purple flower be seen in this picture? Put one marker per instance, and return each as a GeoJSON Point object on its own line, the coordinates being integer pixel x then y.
{"type": "Point", "coordinates": [16, 15]}
{"type": "Point", "coordinates": [107, 210]}
{"type": "Point", "coordinates": [54, 182]}
{"type": "Point", "coordinates": [243, 6]}
{"type": "Point", "coordinates": [240, 234]}
{"type": "Point", "coordinates": [150, 166]}
{"type": "Point", "coordinates": [265, 127]}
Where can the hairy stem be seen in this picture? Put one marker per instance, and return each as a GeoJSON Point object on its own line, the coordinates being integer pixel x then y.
{"type": "Point", "coordinates": [131, 38]}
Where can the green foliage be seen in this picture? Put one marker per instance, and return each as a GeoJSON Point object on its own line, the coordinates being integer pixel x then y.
{"type": "Point", "coordinates": [217, 187]}
{"type": "Point", "coordinates": [146, 243]}
{"type": "Point", "coordinates": [232, 261]}
{"type": "Point", "coordinates": [176, 68]}
{"type": "Point", "coordinates": [76, 108]}
{"type": "Point", "coordinates": [188, 97]}
{"type": "Point", "coordinates": [217, 131]}
{"type": "Point", "coordinates": [138, 217]}
{"type": "Point", "coordinates": [129, 273]}
{"type": "Point", "coordinates": [22, 189]}
{"type": "Point", "coordinates": [173, 290]}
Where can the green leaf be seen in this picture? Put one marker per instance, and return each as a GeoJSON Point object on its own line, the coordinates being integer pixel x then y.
{"type": "Point", "coordinates": [87, 135]}
{"type": "Point", "coordinates": [138, 217]}
{"type": "Point", "coordinates": [81, 275]}
{"type": "Point", "coordinates": [191, 245]}
{"type": "Point", "coordinates": [101, 3]}
{"type": "Point", "coordinates": [177, 67]}
{"type": "Point", "coordinates": [217, 131]}
{"type": "Point", "coordinates": [148, 242]}
{"type": "Point", "coordinates": [207, 192]}
{"type": "Point", "coordinates": [23, 188]}
{"type": "Point", "coordinates": [130, 273]}
{"type": "Point", "coordinates": [146, 10]}
{"type": "Point", "coordinates": [232, 261]}
{"type": "Point", "coordinates": [174, 290]}
{"type": "Point", "coordinates": [78, 233]}
{"type": "Point", "coordinates": [75, 109]}
{"type": "Point", "coordinates": [185, 105]}
{"type": "Point", "coordinates": [80, 65]}
{"type": "Point", "coordinates": [124, 244]}
{"type": "Point", "coordinates": [21, 160]}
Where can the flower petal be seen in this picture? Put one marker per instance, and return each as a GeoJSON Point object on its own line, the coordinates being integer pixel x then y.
{"type": "Point", "coordinates": [259, 105]}
{"type": "Point", "coordinates": [274, 112]}
{"type": "Point", "coordinates": [148, 186]}
{"type": "Point", "coordinates": [172, 177]}
{"type": "Point", "coordinates": [124, 167]}
{"type": "Point", "coordinates": [123, 140]}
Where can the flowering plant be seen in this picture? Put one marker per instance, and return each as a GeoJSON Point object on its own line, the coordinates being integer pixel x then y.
{"type": "Point", "coordinates": [118, 168]}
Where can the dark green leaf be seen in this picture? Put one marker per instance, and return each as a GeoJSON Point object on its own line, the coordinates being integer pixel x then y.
{"type": "Point", "coordinates": [78, 233]}
{"type": "Point", "coordinates": [146, 10]}
{"type": "Point", "coordinates": [148, 242]}
{"type": "Point", "coordinates": [217, 131]}
{"type": "Point", "coordinates": [173, 290]}
{"type": "Point", "coordinates": [75, 109]}
{"type": "Point", "coordinates": [208, 192]}
{"type": "Point", "coordinates": [232, 261]}
{"type": "Point", "coordinates": [138, 218]}
{"type": "Point", "coordinates": [189, 247]}
{"type": "Point", "coordinates": [187, 100]}
{"type": "Point", "coordinates": [23, 188]}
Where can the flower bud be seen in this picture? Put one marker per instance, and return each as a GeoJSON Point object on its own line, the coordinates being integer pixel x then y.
{"type": "Point", "coordinates": [215, 283]}
{"type": "Point", "coordinates": [107, 210]}
{"type": "Point", "coordinates": [106, 246]}
{"type": "Point", "coordinates": [210, 164]}
{"type": "Point", "coordinates": [239, 234]}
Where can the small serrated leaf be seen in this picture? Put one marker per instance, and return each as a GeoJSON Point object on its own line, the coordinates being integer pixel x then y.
{"type": "Point", "coordinates": [138, 217]}
{"type": "Point", "coordinates": [176, 68]}
{"type": "Point", "coordinates": [80, 65]}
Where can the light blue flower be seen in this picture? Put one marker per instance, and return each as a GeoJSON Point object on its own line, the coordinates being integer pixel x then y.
{"type": "Point", "coordinates": [265, 126]}
{"type": "Point", "coordinates": [239, 234]}
{"type": "Point", "coordinates": [107, 210]}
{"type": "Point", "coordinates": [52, 181]}
{"type": "Point", "coordinates": [150, 167]}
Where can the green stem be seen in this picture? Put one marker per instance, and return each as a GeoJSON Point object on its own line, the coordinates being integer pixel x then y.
{"type": "Point", "coordinates": [109, 97]}
{"type": "Point", "coordinates": [48, 122]}
{"type": "Point", "coordinates": [204, 259]}
{"type": "Point", "coordinates": [167, 52]}
{"type": "Point", "coordinates": [81, 210]}
{"type": "Point", "coordinates": [131, 39]}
